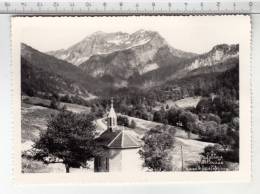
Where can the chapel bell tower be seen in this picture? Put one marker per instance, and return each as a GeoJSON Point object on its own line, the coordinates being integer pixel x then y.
{"type": "Point", "coordinates": [111, 118]}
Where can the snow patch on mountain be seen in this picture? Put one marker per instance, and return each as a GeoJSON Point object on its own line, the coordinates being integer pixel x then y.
{"type": "Point", "coordinates": [64, 56]}
{"type": "Point", "coordinates": [141, 42]}
{"type": "Point", "coordinates": [98, 72]}
{"type": "Point", "coordinates": [149, 67]}
{"type": "Point", "coordinates": [80, 60]}
{"type": "Point", "coordinates": [116, 41]}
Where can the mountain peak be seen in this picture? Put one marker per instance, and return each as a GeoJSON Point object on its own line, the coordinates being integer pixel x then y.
{"type": "Point", "coordinates": [143, 33]}
{"type": "Point", "coordinates": [98, 33]}
{"type": "Point", "coordinates": [104, 43]}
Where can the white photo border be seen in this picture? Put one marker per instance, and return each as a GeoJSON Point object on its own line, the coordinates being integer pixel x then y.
{"type": "Point", "coordinates": [242, 175]}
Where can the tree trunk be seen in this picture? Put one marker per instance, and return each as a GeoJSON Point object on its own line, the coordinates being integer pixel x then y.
{"type": "Point", "coordinates": [189, 134]}
{"type": "Point", "coordinates": [67, 168]}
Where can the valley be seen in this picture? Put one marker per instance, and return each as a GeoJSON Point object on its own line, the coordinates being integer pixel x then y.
{"type": "Point", "coordinates": [34, 122]}
{"type": "Point", "coordinates": [151, 85]}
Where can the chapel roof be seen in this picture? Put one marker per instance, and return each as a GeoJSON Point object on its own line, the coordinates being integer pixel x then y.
{"type": "Point", "coordinates": [118, 139]}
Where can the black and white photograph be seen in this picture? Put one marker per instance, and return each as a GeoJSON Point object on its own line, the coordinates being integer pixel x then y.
{"type": "Point", "coordinates": [131, 95]}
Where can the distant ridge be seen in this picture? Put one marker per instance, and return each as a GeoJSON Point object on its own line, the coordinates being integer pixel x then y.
{"type": "Point", "coordinates": [100, 43]}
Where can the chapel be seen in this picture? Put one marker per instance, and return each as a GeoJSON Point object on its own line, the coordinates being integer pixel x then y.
{"type": "Point", "coordinates": [121, 145]}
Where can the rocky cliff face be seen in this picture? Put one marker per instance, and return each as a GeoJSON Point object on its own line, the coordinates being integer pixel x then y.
{"type": "Point", "coordinates": [218, 54]}
{"type": "Point", "coordinates": [108, 49]}
{"type": "Point", "coordinates": [219, 59]}
{"type": "Point", "coordinates": [142, 52]}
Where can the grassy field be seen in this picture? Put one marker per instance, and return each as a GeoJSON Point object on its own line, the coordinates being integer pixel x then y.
{"type": "Point", "coordinates": [191, 148]}
{"type": "Point", "coordinates": [35, 116]}
{"type": "Point", "coordinates": [34, 120]}
{"type": "Point", "coordinates": [32, 166]}
{"type": "Point", "coordinates": [189, 102]}
{"type": "Point", "coordinates": [185, 103]}
{"type": "Point", "coordinates": [46, 103]}
{"type": "Point", "coordinates": [142, 126]}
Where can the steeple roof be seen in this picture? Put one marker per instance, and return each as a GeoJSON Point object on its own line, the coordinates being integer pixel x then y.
{"type": "Point", "coordinates": [112, 112]}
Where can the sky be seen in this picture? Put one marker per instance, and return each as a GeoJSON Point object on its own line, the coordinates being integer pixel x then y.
{"type": "Point", "coordinates": [188, 33]}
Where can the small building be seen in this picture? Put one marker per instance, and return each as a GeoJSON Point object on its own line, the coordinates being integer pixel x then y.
{"type": "Point", "coordinates": [121, 146]}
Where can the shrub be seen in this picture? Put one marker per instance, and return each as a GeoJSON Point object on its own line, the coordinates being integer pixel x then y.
{"type": "Point", "coordinates": [55, 104]}
{"type": "Point", "coordinates": [209, 131]}
{"type": "Point", "coordinates": [210, 117]}
{"type": "Point", "coordinates": [132, 124]}
{"type": "Point", "coordinates": [123, 121]}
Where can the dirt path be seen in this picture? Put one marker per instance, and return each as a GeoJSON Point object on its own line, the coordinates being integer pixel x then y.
{"type": "Point", "coordinates": [100, 126]}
